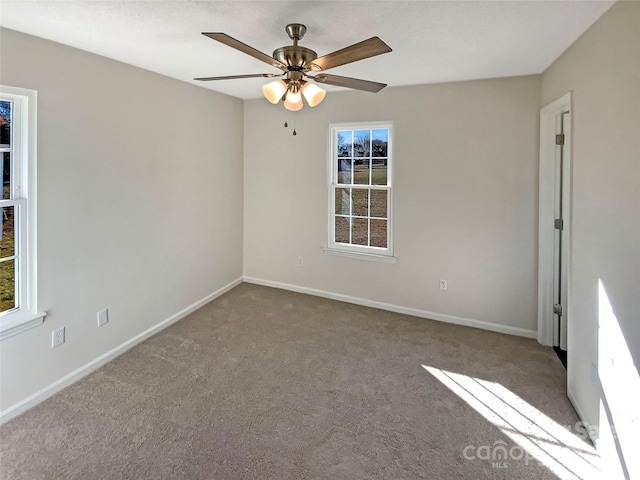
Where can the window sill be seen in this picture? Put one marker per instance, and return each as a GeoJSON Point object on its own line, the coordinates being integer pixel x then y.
{"type": "Point", "coordinates": [15, 323]}
{"type": "Point", "coordinates": [361, 255]}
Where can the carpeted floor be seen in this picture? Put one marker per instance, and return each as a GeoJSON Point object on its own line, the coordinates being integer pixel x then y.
{"type": "Point", "coordinates": [268, 384]}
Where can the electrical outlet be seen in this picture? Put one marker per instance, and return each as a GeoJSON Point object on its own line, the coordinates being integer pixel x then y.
{"type": "Point", "coordinates": [300, 262]}
{"type": "Point", "coordinates": [443, 284]}
{"type": "Point", "coordinates": [57, 337]}
{"type": "Point", "coordinates": [103, 317]}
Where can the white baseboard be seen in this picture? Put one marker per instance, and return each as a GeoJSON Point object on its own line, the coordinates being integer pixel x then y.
{"type": "Point", "coordinates": [41, 395]}
{"type": "Point", "coordinates": [72, 377]}
{"type": "Point", "coordinates": [468, 322]}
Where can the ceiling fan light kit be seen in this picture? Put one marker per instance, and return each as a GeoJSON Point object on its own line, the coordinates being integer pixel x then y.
{"type": "Point", "coordinates": [293, 101]}
{"type": "Point", "coordinates": [296, 61]}
{"type": "Point", "coordinates": [313, 93]}
{"type": "Point", "coordinates": [274, 91]}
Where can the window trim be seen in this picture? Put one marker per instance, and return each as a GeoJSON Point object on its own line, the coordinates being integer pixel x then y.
{"type": "Point", "coordinates": [359, 251]}
{"type": "Point", "coordinates": [26, 316]}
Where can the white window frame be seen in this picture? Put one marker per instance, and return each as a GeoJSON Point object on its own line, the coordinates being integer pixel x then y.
{"type": "Point", "coordinates": [349, 250]}
{"type": "Point", "coordinates": [23, 129]}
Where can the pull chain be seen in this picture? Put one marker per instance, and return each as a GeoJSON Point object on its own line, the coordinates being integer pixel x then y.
{"type": "Point", "coordinates": [286, 125]}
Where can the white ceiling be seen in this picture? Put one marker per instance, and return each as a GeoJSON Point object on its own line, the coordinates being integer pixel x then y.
{"type": "Point", "coordinates": [432, 41]}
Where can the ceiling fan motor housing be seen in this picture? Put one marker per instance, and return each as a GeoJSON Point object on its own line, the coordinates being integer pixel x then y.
{"type": "Point", "coordinates": [294, 56]}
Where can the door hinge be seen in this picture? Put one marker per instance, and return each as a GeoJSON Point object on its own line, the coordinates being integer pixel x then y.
{"type": "Point", "coordinates": [558, 224]}
{"type": "Point", "coordinates": [560, 139]}
{"type": "Point", "coordinates": [557, 309]}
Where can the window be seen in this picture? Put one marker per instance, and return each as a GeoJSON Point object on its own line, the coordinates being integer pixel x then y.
{"type": "Point", "coordinates": [360, 191]}
{"type": "Point", "coordinates": [17, 205]}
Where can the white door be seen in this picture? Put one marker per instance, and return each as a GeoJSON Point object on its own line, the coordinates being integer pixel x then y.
{"type": "Point", "coordinates": [560, 244]}
{"type": "Point", "coordinates": [554, 222]}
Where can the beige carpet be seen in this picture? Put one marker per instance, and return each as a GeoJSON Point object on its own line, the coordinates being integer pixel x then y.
{"type": "Point", "coordinates": [268, 384]}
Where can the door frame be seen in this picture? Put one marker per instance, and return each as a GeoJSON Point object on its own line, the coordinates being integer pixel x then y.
{"type": "Point", "coordinates": [546, 215]}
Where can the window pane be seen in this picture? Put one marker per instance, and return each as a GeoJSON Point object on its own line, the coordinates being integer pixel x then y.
{"type": "Point", "coordinates": [379, 233]}
{"type": "Point", "coordinates": [360, 199]}
{"type": "Point", "coordinates": [345, 174]}
{"type": "Point", "coordinates": [362, 143]}
{"type": "Point", "coordinates": [379, 171]}
{"type": "Point", "coordinates": [7, 285]}
{"type": "Point", "coordinates": [379, 203]}
{"type": "Point", "coordinates": [380, 142]}
{"type": "Point", "coordinates": [7, 233]}
{"type": "Point", "coordinates": [345, 147]}
{"type": "Point", "coordinates": [343, 201]}
{"type": "Point", "coordinates": [6, 175]}
{"type": "Point", "coordinates": [342, 230]}
{"type": "Point", "coordinates": [5, 122]}
{"type": "Point", "coordinates": [360, 233]}
{"type": "Point", "coordinates": [361, 172]}
{"type": "Point", "coordinates": [361, 162]}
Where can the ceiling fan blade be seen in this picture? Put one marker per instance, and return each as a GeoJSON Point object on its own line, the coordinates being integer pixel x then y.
{"type": "Point", "coordinates": [233, 77]}
{"type": "Point", "coordinates": [359, 51]}
{"type": "Point", "coordinates": [243, 47]}
{"type": "Point", "coordinates": [349, 82]}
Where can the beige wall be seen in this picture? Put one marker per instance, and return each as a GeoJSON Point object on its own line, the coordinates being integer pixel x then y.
{"type": "Point", "coordinates": [602, 69]}
{"type": "Point", "coordinates": [139, 203]}
{"type": "Point", "coordinates": [465, 199]}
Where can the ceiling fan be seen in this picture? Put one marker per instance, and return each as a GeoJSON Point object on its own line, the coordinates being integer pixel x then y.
{"type": "Point", "coordinates": [296, 62]}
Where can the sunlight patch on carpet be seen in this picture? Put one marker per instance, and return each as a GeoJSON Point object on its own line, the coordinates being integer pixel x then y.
{"type": "Point", "coordinates": [561, 449]}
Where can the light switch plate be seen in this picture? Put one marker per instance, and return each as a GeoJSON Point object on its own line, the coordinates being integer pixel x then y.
{"type": "Point", "coordinates": [103, 317]}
